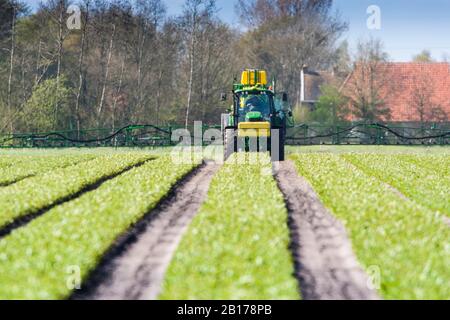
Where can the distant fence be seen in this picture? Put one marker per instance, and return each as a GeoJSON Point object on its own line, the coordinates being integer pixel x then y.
{"type": "Point", "coordinates": [130, 136]}
{"type": "Point", "coordinates": [370, 134]}
{"type": "Point", "coordinates": [303, 134]}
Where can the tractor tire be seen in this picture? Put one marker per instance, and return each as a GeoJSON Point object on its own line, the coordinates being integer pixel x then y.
{"type": "Point", "coordinates": [230, 143]}
{"type": "Point", "coordinates": [281, 147]}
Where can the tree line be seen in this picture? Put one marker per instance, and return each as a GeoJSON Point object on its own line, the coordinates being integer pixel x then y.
{"type": "Point", "coordinates": [130, 62]}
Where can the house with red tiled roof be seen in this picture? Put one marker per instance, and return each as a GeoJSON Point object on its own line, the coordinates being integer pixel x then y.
{"type": "Point", "coordinates": [408, 92]}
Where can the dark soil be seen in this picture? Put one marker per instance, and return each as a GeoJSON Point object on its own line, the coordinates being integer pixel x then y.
{"type": "Point", "coordinates": [326, 266]}
{"type": "Point", "coordinates": [134, 268]}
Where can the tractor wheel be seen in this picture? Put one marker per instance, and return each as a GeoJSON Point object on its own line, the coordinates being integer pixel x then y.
{"type": "Point", "coordinates": [281, 148]}
{"type": "Point", "coordinates": [230, 145]}
{"type": "Point", "coordinates": [281, 151]}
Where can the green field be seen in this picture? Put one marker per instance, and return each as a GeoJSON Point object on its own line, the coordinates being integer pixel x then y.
{"type": "Point", "coordinates": [393, 201]}
{"type": "Point", "coordinates": [407, 242]}
{"type": "Point", "coordinates": [237, 246]}
{"type": "Point", "coordinates": [34, 259]}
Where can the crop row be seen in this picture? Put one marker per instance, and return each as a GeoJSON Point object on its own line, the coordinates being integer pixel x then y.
{"type": "Point", "coordinates": [237, 245]}
{"type": "Point", "coordinates": [31, 195]}
{"type": "Point", "coordinates": [365, 149]}
{"type": "Point", "coordinates": [436, 163]}
{"type": "Point", "coordinates": [40, 261]}
{"type": "Point", "coordinates": [6, 161]}
{"type": "Point", "coordinates": [416, 180]}
{"type": "Point", "coordinates": [23, 167]}
{"type": "Point", "coordinates": [400, 243]}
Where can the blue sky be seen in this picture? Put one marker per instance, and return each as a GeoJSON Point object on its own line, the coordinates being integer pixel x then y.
{"type": "Point", "coordinates": [407, 26]}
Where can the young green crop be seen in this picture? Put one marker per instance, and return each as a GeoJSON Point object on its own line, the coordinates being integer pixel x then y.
{"type": "Point", "coordinates": [439, 164]}
{"type": "Point", "coordinates": [237, 245]}
{"type": "Point", "coordinates": [392, 150]}
{"type": "Point", "coordinates": [24, 167]}
{"type": "Point", "coordinates": [405, 242]}
{"type": "Point", "coordinates": [426, 186]}
{"type": "Point", "coordinates": [31, 195]}
{"type": "Point", "coordinates": [94, 151]}
{"type": "Point", "coordinates": [36, 261]}
{"type": "Point", "coordinates": [6, 161]}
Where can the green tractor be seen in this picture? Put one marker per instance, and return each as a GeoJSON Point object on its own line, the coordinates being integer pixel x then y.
{"type": "Point", "coordinates": [258, 119]}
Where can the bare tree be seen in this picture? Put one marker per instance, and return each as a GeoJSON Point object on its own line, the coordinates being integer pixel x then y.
{"type": "Point", "coordinates": [11, 65]}
{"type": "Point", "coordinates": [422, 99]}
{"type": "Point", "coordinates": [422, 95]}
{"type": "Point", "coordinates": [105, 79]}
{"type": "Point", "coordinates": [128, 63]}
{"type": "Point", "coordinates": [55, 12]}
{"type": "Point", "coordinates": [61, 9]}
{"type": "Point", "coordinates": [81, 57]}
{"type": "Point", "coordinates": [217, 66]}
{"type": "Point", "coordinates": [195, 12]}
{"type": "Point", "coordinates": [168, 43]}
{"type": "Point", "coordinates": [149, 14]}
{"type": "Point", "coordinates": [255, 13]}
{"type": "Point", "coordinates": [286, 35]}
{"type": "Point", "coordinates": [369, 86]}
{"type": "Point", "coordinates": [117, 95]}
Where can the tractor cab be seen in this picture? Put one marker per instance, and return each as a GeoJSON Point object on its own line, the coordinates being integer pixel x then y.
{"type": "Point", "coordinates": [257, 114]}
{"type": "Point", "coordinates": [255, 106]}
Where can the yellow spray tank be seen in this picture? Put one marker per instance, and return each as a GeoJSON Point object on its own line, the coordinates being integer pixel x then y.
{"type": "Point", "coordinates": [253, 77]}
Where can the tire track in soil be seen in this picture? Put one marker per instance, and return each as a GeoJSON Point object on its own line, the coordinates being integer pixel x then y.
{"type": "Point", "coordinates": [24, 220]}
{"type": "Point", "coordinates": [135, 266]}
{"type": "Point", "coordinates": [325, 265]}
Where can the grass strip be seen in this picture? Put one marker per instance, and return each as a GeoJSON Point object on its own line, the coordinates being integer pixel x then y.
{"type": "Point", "coordinates": [428, 187]}
{"type": "Point", "coordinates": [237, 245]}
{"type": "Point", "coordinates": [404, 244]}
{"type": "Point", "coordinates": [40, 260]}
{"type": "Point", "coordinates": [31, 195]}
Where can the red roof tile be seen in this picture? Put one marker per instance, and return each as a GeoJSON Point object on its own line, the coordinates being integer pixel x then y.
{"type": "Point", "coordinates": [406, 80]}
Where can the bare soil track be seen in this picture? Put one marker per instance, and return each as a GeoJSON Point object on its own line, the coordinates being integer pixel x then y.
{"type": "Point", "coordinates": [134, 268]}
{"type": "Point", "coordinates": [325, 264]}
